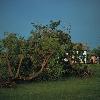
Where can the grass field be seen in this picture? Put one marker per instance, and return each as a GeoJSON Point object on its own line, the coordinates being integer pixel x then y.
{"type": "Point", "coordinates": [69, 89]}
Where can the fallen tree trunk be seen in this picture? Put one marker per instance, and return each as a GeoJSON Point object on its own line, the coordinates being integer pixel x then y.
{"type": "Point", "coordinates": [34, 75]}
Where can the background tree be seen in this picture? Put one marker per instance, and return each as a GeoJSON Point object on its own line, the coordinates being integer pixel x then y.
{"type": "Point", "coordinates": [96, 51]}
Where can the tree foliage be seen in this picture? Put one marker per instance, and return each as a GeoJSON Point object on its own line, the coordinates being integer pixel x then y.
{"type": "Point", "coordinates": [96, 51]}
{"type": "Point", "coordinates": [27, 58]}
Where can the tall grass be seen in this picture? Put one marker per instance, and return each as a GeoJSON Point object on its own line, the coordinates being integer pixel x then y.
{"type": "Point", "coordinates": [69, 89]}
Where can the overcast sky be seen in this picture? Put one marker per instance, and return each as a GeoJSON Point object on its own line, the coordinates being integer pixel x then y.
{"type": "Point", "coordinates": [83, 15]}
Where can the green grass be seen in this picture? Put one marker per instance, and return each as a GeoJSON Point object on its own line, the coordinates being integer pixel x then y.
{"type": "Point", "coordinates": [69, 89]}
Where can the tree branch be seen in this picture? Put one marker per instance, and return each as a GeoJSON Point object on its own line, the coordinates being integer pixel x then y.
{"type": "Point", "coordinates": [17, 73]}
{"type": "Point", "coordinates": [34, 75]}
{"type": "Point", "coordinates": [9, 67]}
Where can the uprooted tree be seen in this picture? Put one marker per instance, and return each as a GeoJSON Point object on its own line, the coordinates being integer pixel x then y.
{"type": "Point", "coordinates": [37, 56]}
{"type": "Point", "coordinates": [27, 58]}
